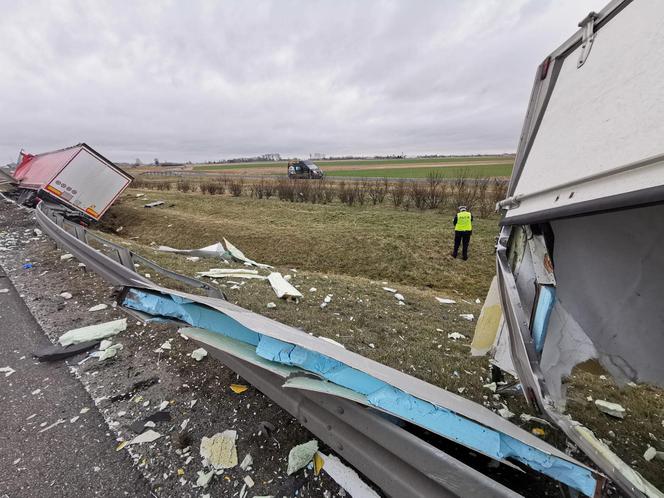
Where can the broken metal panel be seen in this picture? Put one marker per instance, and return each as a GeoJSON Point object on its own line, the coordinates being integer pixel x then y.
{"type": "Point", "coordinates": [341, 367]}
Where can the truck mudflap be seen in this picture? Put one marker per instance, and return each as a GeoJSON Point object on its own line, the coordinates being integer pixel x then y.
{"type": "Point", "coordinates": [525, 350]}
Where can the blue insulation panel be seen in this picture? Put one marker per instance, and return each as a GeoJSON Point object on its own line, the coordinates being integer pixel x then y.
{"type": "Point", "coordinates": [545, 302]}
{"type": "Point", "coordinates": [379, 394]}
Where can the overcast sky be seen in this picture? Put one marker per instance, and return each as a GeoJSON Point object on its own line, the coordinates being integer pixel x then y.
{"type": "Point", "coordinates": [207, 80]}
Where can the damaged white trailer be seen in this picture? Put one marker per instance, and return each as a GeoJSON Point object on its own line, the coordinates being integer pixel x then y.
{"type": "Point", "coordinates": [580, 259]}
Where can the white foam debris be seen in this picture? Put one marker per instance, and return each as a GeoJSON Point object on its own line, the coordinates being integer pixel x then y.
{"type": "Point", "coordinates": [282, 288]}
{"type": "Point", "coordinates": [99, 307]}
{"type": "Point", "coordinates": [271, 305]}
{"type": "Point", "coordinates": [650, 453]}
{"type": "Point", "coordinates": [347, 478]}
{"type": "Point", "coordinates": [389, 289]}
{"type": "Point", "coordinates": [7, 371]}
{"type": "Point", "coordinates": [467, 316]}
{"type": "Point", "coordinates": [66, 295]}
{"type": "Point", "coordinates": [443, 300]}
{"type": "Point", "coordinates": [146, 437]}
{"type": "Point", "coordinates": [247, 461]}
{"type": "Point", "coordinates": [455, 336]}
{"type": "Point", "coordinates": [66, 257]}
{"type": "Point", "coordinates": [313, 289]}
{"type": "Point", "coordinates": [219, 450]}
{"type": "Point", "coordinates": [93, 332]}
{"type": "Point", "coordinates": [399, 297]}
{"type": "Point", "coordinates": [613, 409]}
{"type": "Point", "coordinates": [199, 354]}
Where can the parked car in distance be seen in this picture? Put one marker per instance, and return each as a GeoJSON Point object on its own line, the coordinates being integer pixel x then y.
{"type": "Point", "coordinates": [304, 169]}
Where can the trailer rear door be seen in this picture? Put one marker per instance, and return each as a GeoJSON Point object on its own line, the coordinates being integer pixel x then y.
{"type": "Point", "coordinates": [593, 137]}
{"type": "Point", "coordinates": [88, 184]}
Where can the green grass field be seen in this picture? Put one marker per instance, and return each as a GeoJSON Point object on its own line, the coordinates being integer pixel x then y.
{"type": "Point", "coordinates": [354, 162]}
{"type": "Point", "coordinates": [489, 170]}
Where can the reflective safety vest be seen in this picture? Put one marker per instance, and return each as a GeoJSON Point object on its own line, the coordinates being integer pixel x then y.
{"type": "Point", "coordinates": [464, 223]}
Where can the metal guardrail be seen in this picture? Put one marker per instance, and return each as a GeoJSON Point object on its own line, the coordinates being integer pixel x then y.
{"type": "Point", "coordinates": [118, 253]}
{"type": "Point", "coordinates": [396, 460]}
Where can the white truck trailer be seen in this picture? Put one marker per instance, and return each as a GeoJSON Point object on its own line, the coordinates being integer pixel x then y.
{"type": "Point", "coordinates": [580, 256]}
{"type": "Point", "coordinates": [77, 177]}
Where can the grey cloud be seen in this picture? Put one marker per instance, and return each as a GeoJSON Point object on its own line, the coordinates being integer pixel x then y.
{"type": "Point", "coordinates": [203, 80]}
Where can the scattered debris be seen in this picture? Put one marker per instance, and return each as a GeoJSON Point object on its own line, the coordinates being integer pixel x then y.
{"type": "Point", "coordinates": [271, 305]}
{"type": "Point", "coordinates": [99, 307]}
{"type": "Point", "coordinates": [491, 387]}
{"type": "Point", "coordinates": [166, 345]}
{"type": "Point", "coordinates": [455, 336]}
{"type": "Point", "coordinates": [66, 257]}
{"type": "Point", "coordinates": [211, 251]}
{"type": "Point", "coordinates": [66, 295]}
{"type": "Point", "coordinates": [613, 409]}
{"type": "Point", "coordinates": [92, 332]}
{"type": "Point", "coordinates": [239, 256]}
{"type": "Point", "coordinates": [249, 481]}
{"type": "Point", "coordinates": [442, 300]}
{"type": "Point", "coordinates": [108, 353]}
{"type": "Point", "coordinates": [477, 301]}
{"type": "Point", "coordinates": [399, 297]}
{"type": "Point", "coordinates": [198, 354]}
{"type": "Point", "coordinates": [529, 418]}
{"type": "Point", "coordinates": [4, 291]}
{"type": "Point", "coordinates": [105, 344]}
{"type": "Point", "coordinates": [313, 289]}
{"type": "Point", "coordinates": [390, 289]}
{"type": "Point", "coordinates": [219, 450]}
{"type": "Point", "coordinates": [58, 422]}
{"type": "Point", "coordinates": [146, 437]}
{"type": "Point", "coordinates": [505, 412]}
{"type": "Point", "coordinates": [238, 388]}
{"type": "Point", "coordinates": [301, 455]}
{"type": "Point", "coordinates": [153, 204]}
{"type": "Point", "coordinates": [7, 371]}
{"type": "Point", "coordinates": [231, 273]}
{"type": "Point", "coordinates": [281, 287]}
{"type": "Point", "coordinates": [55, 352]}
{"type": "Point", "coordinates": [247, 461]}
{"type": "Point", "coordinates": [204, 479]}
{"type": "Point", "coordinates": [538, 431]}
{"type": "Point", "coordinates": [467, 316]}
{"type": "Point", "coordinates": [650, 454]}
{"type": "Point", "coordinates": [140, 425]}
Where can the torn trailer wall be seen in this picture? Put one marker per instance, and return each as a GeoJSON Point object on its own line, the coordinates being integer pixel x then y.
{"type": "Point", "coordinates": [471, 421]}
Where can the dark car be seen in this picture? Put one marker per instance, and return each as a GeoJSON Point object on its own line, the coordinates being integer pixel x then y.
{"type": "Point", "coordinates": [304, 169]}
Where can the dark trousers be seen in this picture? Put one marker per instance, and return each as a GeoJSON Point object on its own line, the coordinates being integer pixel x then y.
{"type": "Point", "coordinates": [461, 237]}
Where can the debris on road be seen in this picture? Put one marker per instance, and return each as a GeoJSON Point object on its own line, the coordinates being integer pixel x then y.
{"type": "Point", "coordinates": [613, 409]}
{"type": "Point", "coordinates": [4, 291]}
{"type": "Point", "coordinates": [505, 412]}
{"type": "Point", "coordinates": [238, 388]}
{"type": "Point", "coordinates": [108, 353]}
{"type": "Point", "coordinates": [92, 332]}
{"type": "Point", "coordinates": [66, 295]}
{"type": "Point", "coordinates": [247, 461]}
{"type": "Point", "coordinates": [443, 300]}
{"type": "Point", "coordinates": [282, 288]}
{"type": "Point", "coordinates": [467, 316]}
{"type": "Point", "coordinates": [58, 422]}
{"type": "Point", "coordinates": [153, 204]}
{"type": "Point", "coordinates": [54, 352]}
{"type": "Point", "coordinates": [140, 425]}
{"type": "Point", "coordinates": [271, 305]}
{"type": "Point", "coordinates": [66, 257]}
{"type": "Point", "coordinates": [99, 307]}
{"type": "Point", "coordinates": [199, 354]}
{"type": "Point", "coordinates": [204, 478]}
{"type": "Point", "coordinates": [219, 451]}
{"type": "Point", "coordinates": [146, 437]}
{"type": "Point", "coordinates": [300, 456]}
{"type": "Point", "coordinates": [7, 371]}
{"type": "Point", "coordinates": [347, 478]}
{"type": "Point", "coordinates": [455, 336]}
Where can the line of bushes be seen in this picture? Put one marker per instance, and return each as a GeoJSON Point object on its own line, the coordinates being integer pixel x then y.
{"type": "Point", "coordinates": [478, 194]}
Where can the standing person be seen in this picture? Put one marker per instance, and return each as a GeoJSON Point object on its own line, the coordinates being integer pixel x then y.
{"type": "Point", "coordinates": [463, 229]}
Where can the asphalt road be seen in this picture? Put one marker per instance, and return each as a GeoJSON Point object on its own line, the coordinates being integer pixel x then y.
{"type": "Point", "coordinates": [76, 459]}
